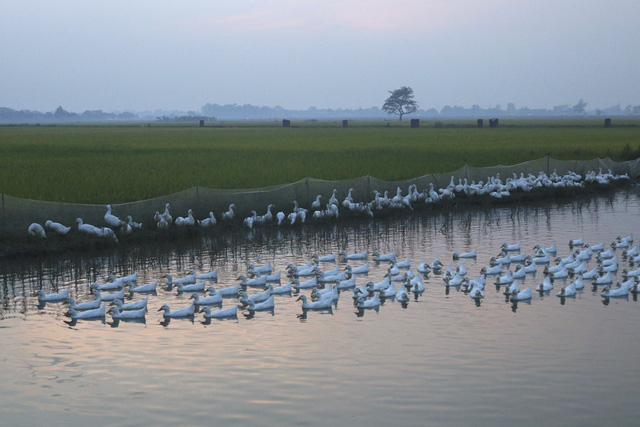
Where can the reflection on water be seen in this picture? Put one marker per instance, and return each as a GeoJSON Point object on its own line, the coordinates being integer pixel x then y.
{"type": "Point", "coordinates": [442, 356]}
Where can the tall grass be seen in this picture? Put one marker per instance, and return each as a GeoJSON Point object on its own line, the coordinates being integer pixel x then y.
{"type": "Point", "coordinates": [100, 164]}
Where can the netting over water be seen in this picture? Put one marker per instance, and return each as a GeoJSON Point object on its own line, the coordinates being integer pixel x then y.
{"type": "Point", "coordinates": [17, 214]}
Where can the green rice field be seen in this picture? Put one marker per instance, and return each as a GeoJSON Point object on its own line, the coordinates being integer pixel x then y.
{"type": "Point", "coordinates": [120, 163]}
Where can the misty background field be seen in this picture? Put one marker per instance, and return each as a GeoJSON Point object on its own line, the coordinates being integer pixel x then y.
{"type": "Point", "coordinates": [114, 164]}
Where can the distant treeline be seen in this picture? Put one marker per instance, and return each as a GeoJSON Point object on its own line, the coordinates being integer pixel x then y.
{"type": "Point", "coordinates": [211, 112]}
{"type": "Point", "coordinates": [8, 115]}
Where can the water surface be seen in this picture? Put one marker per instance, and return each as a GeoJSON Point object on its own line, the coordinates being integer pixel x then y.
{"type": "Point", "coordinates": [442, 359]}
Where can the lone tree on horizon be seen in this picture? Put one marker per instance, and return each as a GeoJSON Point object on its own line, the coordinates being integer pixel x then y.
{"type": "Point", "coordinates": [400, 102]}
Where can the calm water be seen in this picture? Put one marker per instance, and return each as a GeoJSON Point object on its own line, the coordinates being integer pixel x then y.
{"type": "Point", "coordinates": [440, 360]}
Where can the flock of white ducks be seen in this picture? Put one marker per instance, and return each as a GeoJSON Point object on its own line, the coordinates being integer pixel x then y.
{"type": "Point", "coordinates": [319, 287]}
{"type": "Point", "coordinates": [493, 187]}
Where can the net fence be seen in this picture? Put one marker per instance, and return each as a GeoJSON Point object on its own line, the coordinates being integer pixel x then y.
{"type": "Point", "coordinates": [17, 214]}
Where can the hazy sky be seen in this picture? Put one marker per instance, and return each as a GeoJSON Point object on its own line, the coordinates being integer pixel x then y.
{"type": "Point", "coordinates": [156, 54]}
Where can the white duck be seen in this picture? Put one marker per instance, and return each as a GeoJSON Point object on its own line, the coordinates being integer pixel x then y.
{"type": "Point", "coordinates": [96, 313]}
{"type": "Point", "coordinates": [476, 293]}
{"type": "Point", "coordinates": [209, 275]}
{"type": "Point", "coordinates": [545, 285]}
{"type": "Point", "coordinates": [187, 280]}
{"type": "Point", "coordinates": [317, 294]}
{"type": "Point", "coordinates": [149, 287]}
{"type": "Point", "coordinates": [511, 247]}
{"type": "Point", "coordinates": [112, 220]}
{"type": "Point", "coordinates": [362, 269]}
{"type": "Point", "coordinates": [109, 286]}
{"type": "Point", "coordinates": [604, 280]}
{"type": "Point", "coordinates": [124, 279]}
{"type": "Point", "coordinates": [576, 242]}
{"type": "Point", "coordinates": [607, 292]}
{"type": "Point", "coordinates": [129, 314]}
{"type": "Point", "coordinates": [53, 297]}
{"type": "Point", "coordinates": [261, 306]}
{"type": "Point", "coordinates": [109, 297]}
{"type": "Point", "coordinates": [260, 281]}
{"type": "Point", "coordinates": [86, 305]}
{"type": "Point", "coordinates": [212, 299]}
{"type": "Point", "coordinates": [194, 287]}
{"type": "Point", "coordinates": [324, 258]}
{"type": "Point", "coordinates": [404, 264]}
{"type": "Point", "coordinates": [415, 285]}
{"type": "Point", "coordinates": [390, 292]}
{"type": "Point", "coordinates": [320, 304]}
{"type": "Point", "coordinates": [513, 289]}
{"type": "Point", "coordinates": [36, 230]}
{"type": "Point", "coordinates": [187, 221]}
{"type": "Point", "coordinates": [166, 215]}
{"type": "Point", "coordinates": [131, 223]}
{"type": "Point", "coordinates": [470, 254]}
{"type": "Point", "coordinates": [424, 267]}
{"type": "Point", "coordinates": [505, 279]}
{"type": "Point", "coordinates": [567, 291]}
{"type": "Point", "coordinates": [228, 215]}
{"type": "Point", "coordinates": [388, 257]}
{"type": "Point", "coordinates": [309, 284]}
{"type": "Point", "coordinates": [353, 256]}
{"type": "Point", "coordinates": [263, 296]}
{"type": "Point", "coordinates": [260, 269]}
{"type": "Point", "coordinates": [220, 314]}
{"type": "Point", "coordinates": [56, 227]}
{"type": "Point", "coordinates": [380, 286]}
{"type": "Point", "coordinates": [208, 222]}
{"type": "Point", "coordinates": [333, 200]}
{"type": "Point", "coordinates": [317, 204]}
{"type": "Point", "coordinates": [372, 302]}
{"type": "Point", "coordinates": [280, 290]}
{"type": "Point", "coordinates": [183, 312]}
{"type": "Point", "coordinates": [347, 283]}
{"type": "Point", "coordinates": [524, 294]}
{"type": "Point", "coordinates": [578, 283]}
{"type": "Point", "coordinates": [492, 271]}
{"type": "Point", "coordinates": [135, 305]}
{"type": "Point", "coordinates": [230, 291]}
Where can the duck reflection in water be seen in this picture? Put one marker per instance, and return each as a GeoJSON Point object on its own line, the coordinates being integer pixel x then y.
{"type": "Point", "coordinates": [73, 322]}
{"type": "Point", "coordinates": [250, 314]}
{"type": "Point", "coordinates": [116, 322]}
{"type": "Point", "coordinates": [360, 311]}
{"type": "Point", "coordinates": [166, 320]}
{"type": "Point", "coordinates": [304, 314]}
{"type": "Point", "coordinates": [514, 304]}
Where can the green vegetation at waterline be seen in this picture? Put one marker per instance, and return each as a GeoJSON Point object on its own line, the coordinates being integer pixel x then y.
{"type": "Point", "coordinates": [112, 164]}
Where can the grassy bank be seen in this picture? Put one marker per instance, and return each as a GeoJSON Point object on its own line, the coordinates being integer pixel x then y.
{"type": "Point", "coordinates": [107, 163]}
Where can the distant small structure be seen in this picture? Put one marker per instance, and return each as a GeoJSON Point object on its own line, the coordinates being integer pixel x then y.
{"type": "Point", "coordinates": [480, 123]}
{"type": "Point", "coordinates": [607, 122]}
{"type": "Point", "coordinates": [345, 123]}
{"type": "Point", "coordinates": [493, 123]}
{"type": "Point", "coordinates": [286, 123]}
{"type": "Point", "coordinates": [415, 123]}
{"type": "Point", "coordinates": [201, 123]}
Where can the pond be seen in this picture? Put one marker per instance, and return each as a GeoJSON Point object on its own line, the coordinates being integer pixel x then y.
{"type": "Point", "coordinates": [440, 359]}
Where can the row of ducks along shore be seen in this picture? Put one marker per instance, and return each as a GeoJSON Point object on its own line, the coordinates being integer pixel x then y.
{"type": "Point", "coordinates": [494, 188]}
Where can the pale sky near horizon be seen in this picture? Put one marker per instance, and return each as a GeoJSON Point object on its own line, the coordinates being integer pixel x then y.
{"type": "Point", "coordinates": [155, 54]}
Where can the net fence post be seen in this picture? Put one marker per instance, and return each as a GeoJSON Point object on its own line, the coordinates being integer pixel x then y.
{"type": "Point", "coordinates": [548, 163]}
{"type": "Point", "coordinates": [368, 186]}
{"type": "Point", "coordinates": [4, 215]}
